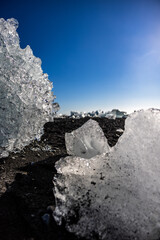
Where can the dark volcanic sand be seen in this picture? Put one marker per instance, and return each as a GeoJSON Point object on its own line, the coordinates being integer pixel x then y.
{"type": "Point", "coordinates": [26, 182]}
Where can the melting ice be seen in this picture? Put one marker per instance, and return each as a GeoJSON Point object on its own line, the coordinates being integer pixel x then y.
{"type": "Point", "coordinates": [25, 92]}
{"type": "Point", "coordinates": [115, 195]}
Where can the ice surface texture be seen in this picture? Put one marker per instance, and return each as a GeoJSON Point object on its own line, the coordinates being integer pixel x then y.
{"type": "Point", "coordinates": [114, 195]}
{"type": "Point", "coordinates": [25, 92]}
{"type": "Point", "coordinates": [87, 141]}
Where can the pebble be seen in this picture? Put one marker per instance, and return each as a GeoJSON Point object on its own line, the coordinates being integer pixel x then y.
{"type": "Point", "coordinates": [46, 218]}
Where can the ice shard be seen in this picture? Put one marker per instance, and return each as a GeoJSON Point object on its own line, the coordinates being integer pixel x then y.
{"type": "Point", "coordinates": [25, 92]}
{"type": "Point", "coordinates": [114, 196]}
{"type": "Point", "coordinates": [87, 141]}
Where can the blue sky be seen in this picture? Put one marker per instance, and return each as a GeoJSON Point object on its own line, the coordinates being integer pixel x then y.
{"type": "Point", "coordinates": [99, 54]}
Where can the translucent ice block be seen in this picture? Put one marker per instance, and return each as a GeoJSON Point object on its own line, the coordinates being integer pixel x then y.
{"type": "Point", "coordinates": [87, 141]}
{"type": "Point", "coordinates": [25, 92]}
{"type": "Point", "coordinates": [114, 196]}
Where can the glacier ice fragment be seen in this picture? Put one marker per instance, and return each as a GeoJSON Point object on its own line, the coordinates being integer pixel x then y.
{"type": "Point", "coordinates": [87, 141]}
{"type": "Point", "coordinates": [116, 195]}
{"type": "Point", "coordinates": [25, 92]}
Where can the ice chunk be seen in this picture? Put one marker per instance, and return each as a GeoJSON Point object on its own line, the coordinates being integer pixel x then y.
{"type": "Point", "coordinates": [25, 92]}
{"type": "Point", "coordinates": [120, 130]}
{"type": "Point", "coordinates": [87, 141]}
{"type": "Point", "coordinates": [116, 195]}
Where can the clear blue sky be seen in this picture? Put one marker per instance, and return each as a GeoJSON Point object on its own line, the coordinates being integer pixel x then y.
{"type": "Point", "coordinates": [99, 54]}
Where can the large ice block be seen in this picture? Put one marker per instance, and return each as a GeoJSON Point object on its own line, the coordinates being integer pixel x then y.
{"type": "Point", "coordinates": [25, 92]}
{"type": "Point", "coordinates": [114, 196]}
{"type": "Point", "coordinates": [87, 141]}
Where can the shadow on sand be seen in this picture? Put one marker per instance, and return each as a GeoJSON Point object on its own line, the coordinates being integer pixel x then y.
{"type": "Point", "coordinates": [26, 207]}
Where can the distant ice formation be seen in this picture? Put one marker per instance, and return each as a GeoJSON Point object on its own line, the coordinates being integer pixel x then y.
{"type": "Point", "coordinates": [115, 195]}
{"type": "Point", "coordinates": [26, 99]}
{"type": "Point", "coordinates": [115, 113]}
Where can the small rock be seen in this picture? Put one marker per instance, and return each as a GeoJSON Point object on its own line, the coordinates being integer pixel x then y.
{"type": "Point", "coordinates": [46, 218]}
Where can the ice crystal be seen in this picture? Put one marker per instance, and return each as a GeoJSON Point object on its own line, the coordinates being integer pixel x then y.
{"type": "Point", "coordinates": [25, 92]}
{"type": "Point", "coordinates": [114, 196]}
